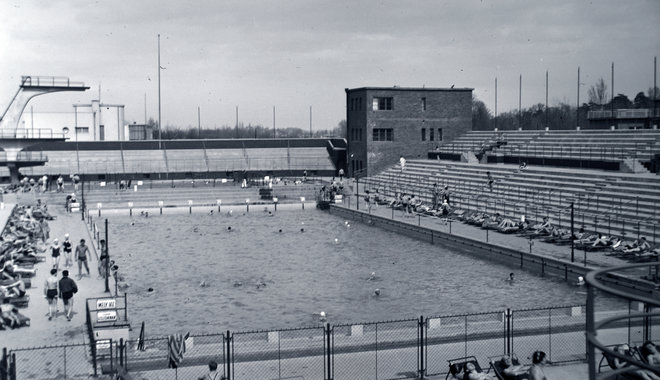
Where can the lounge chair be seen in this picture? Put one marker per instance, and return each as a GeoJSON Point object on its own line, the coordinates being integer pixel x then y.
{"type": "Point", "coordinates": [456, 366]}
{"type": "Point", "coordinates": [496, 365]}
{"type": "Point", "coordinates": [607, 361]}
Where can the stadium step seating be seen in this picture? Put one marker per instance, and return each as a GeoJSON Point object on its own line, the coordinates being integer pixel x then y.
{"type": "Point", "coordinates": [619, 202]}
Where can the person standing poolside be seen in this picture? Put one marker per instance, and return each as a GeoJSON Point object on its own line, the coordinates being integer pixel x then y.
{"type": "Point", "coordinates": [82, 253]}
{"type": "Point", "coordinates": [55, 253]}
{"type": "Point", "coordinates": [60, 184]}
{"type": "Point", "coordinates": [103, 259]}
{"type": "Point", "coordinates": [402, 162]}
{"type": "Point", "coordinates": [66, 247]}
{"type": "Point", "coordinates": [68, 288]}
{"type": "Point", "coordinates": [51, 291]}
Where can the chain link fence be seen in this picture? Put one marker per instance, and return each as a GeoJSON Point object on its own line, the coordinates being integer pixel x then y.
{"type": "Point", "coordinates": [403, 349]}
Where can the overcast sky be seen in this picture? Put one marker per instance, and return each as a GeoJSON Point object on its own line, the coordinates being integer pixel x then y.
{"type": "Point", "coordinates": [295, 54]}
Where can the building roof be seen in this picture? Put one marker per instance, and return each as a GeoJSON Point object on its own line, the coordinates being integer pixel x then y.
{"type": "Point", "coordinates": [397, 88]}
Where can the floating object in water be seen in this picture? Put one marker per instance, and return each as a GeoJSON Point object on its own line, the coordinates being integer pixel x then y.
{"type": "Point", "coordinates": [238, 283]}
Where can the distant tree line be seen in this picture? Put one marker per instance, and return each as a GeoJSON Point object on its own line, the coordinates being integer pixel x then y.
{"type": "Point", "coordinates": [242, 131]}
{"type": "Point", "coordinates": [559, 116]}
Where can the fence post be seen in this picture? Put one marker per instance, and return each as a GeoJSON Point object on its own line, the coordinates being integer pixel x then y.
{"type": "Point", "coordinates": [329, 351]}
{"type": "Point", "coordinates": [12, 367]}
{"type": "Point", "coordinates": [507, 331]}
{"type": "Point", "coordinates": [64, 348]}
{"type": "Point", "coordinates": [421, 346]}
{"type": "Point", "coordinates": [228, 361]}
{"type": "Point", "coordinates": [3, 365]}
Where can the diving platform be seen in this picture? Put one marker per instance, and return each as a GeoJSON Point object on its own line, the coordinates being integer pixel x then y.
{"type": "Point", "coordinates": [13, 139]}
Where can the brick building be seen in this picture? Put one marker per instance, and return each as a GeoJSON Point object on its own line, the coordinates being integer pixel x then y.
{"type": "Point", "coordinates": [384, 123]}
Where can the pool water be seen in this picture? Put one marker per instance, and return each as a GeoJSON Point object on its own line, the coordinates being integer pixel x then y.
{"type": "Point", "coordinates": [208, 279]}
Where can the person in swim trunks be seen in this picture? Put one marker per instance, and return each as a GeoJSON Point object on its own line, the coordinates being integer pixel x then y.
{"type": "Point", "coordinates": [50, 291]}
{"type": "Point", "coordinates": [82, 251]}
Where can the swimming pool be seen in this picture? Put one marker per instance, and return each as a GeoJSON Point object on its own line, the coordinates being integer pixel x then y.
{"type": "Point", "coordinates": [326, 267]}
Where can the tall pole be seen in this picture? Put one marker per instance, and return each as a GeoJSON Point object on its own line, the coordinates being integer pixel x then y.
{"type": "Point", "coordinates": [145, 108]}
{"type": "Point", "coordinates": [199, 124]}
{"type": "Point", "coordinates": [546, 99]}
{"type": "Point", "coordinates": [274, 129]}
{"type": "Point", "coordinates": [106, 248]}
{"type": "Point", "coordinates": [572, 235]}
{"type": "Point", "coordinates": [310, 122]}
{"type": "Point", "coordinates": [495, 102]}
{"type": "Point", "coordinates": [236, 121]}
{"type": "Point", "coordinates": [655, 89]}
{"type": "Point", "coordinates": [75, 112]}
{"type": "Point", "coordinates": [32, 119]}
{"type": "Point", "coordinates": [520, 102]}
{"type": "Point", "coordinates": [160, 126]}
{"type": "Point", "coordinates": [612, 96]}
{"type": "Point", "coordinates": [577, 110]}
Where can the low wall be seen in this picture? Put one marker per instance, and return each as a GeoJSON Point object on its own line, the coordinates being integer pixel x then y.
{"type": "Point", "coordinates": [544, 266]}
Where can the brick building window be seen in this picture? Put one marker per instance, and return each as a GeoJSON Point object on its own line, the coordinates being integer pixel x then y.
{"type": "Point", "coordinates": [380, 104]}
{"type": "Point", "coordinates": [431, 134]}
{"type": "Point", "coordinates": [439, 134]}
{"type": "Point", "coordinates": [382, 134]}
{"type": "Point", "coordinates": [424, 134]}
{"type": "Point", "coordinates": [423, 104]}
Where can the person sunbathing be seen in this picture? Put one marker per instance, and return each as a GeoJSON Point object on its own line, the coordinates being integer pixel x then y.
{"type": "Point", "coordinates": [14, 290]}
{"type": "Point", "coordinates": [511, 370]}
{"type": "Point", "coordinates": [9, 314]}
{"type": "Point", "coordinates": [640, 373]}
{"type": "Point", "coordinates": [639, 246]}
{"type": "Point", "coordinates": [492, 222]}
{"type": "Point", "coordinates": [471, 373]}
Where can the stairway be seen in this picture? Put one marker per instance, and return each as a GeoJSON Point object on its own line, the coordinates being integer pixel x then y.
{"type": "Point", "coordinates": [632, 165]}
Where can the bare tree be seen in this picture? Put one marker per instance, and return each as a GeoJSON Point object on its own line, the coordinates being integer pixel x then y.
{"type": "Point", "coordinates": [598, 93]}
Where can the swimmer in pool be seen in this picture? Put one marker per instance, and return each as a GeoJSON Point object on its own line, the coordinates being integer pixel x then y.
{"type": "Point", "coordinates": [280, 231]}
{"type": "Point", "coordinates": [511, 278]}
{"type": "Point", "coordinates": [322, 316]}
{"type": "Point", "coordinates": [377, 292]}
{"type": "Point", "coordinates": [229, 229]}
{"type": "Point", "coordinates": [302, 230]}
{"type": "Point", "coordinates": [580, 281]}
{"type": "Point", "coordinates": [372, 276]}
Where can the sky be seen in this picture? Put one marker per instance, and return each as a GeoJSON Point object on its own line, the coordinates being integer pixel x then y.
{"type": "Point", "coordinates": [295, 54]}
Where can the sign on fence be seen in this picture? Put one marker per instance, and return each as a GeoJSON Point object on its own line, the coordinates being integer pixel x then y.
{"type": "Point", "coordinates": [106, 316]}
{"type": "Point", "coordinates": [106, 303]}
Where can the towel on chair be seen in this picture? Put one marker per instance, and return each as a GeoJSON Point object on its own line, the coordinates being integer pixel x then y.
{"type": "Point", "coordinates": [176, 344]}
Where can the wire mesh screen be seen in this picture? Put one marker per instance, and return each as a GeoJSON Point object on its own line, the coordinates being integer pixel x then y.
{"type": "Point", "coordinates": [383, 350]}
{"type": "Point", "coordinates": [451, 337]}
{"type": "Point", "coordinates": [284, 354]}
{"type": "Point", "coordinates": [559, 332]}
{"type": "Point", "coordinates": [73, 361]}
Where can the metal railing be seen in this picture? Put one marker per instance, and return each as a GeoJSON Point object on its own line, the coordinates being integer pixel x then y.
{"type": "Point", "coordinates": [49, 81]}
